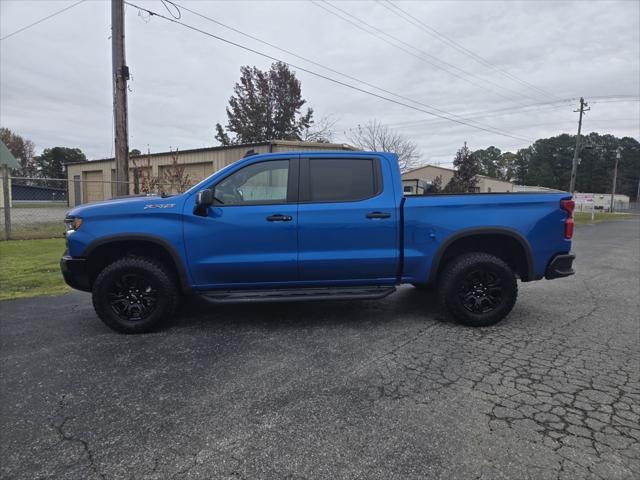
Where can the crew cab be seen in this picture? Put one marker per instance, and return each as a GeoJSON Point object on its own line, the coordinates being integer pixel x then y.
{"type": "Point", "coordinates": [311, 226]}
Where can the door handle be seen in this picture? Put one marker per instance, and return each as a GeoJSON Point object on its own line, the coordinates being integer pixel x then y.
{"type": "Point", "coordinates": [279, 218]}
{"type": "Point", "coordinates": [378, 215]}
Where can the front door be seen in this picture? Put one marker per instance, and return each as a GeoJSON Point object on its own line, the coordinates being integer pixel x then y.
{"type": "Point", "coordinates": [347, 221]}
{"type": "Point", "coordinates": [249, 236]}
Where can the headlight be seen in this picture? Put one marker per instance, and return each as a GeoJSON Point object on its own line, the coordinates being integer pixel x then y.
{"type": "Point", "coordinates": [72, 223]}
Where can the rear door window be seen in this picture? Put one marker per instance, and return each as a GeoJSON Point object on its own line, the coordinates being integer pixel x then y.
{"type": "Point", "coordinates": [341, 179]}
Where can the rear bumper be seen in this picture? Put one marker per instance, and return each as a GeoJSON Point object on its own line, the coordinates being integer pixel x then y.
{"type": "Point", "coordinates": [560, 266]}
{"type": "Point", "coordinates": [74, 271]}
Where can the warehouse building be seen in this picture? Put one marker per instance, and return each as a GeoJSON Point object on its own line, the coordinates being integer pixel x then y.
{"type": "Point", "coordinates": [414, 180]}
{"type": "Point", "coordinates": [95, 180]}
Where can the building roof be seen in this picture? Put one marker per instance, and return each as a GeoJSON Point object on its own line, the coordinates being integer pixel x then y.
{"type": "Point", "coordinates": [451, 170]}
{"type": "Point", "coordinates": [248, 146]}
{"type": "Point", "coordinates": [7, 158]}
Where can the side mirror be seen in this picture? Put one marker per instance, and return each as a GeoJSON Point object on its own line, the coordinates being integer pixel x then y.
{"type": "Point", "coordinates": [204, 199]}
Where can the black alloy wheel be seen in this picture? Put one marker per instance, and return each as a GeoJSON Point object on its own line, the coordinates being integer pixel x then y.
{"type": "Point", "coordinates": [481, 291]}
{"type": "Point", "coordinates": [133, 297]}
{"type": "Point", "coordinates": [478, 289]}
{"type": "Point", "coordinates": [135, 294]}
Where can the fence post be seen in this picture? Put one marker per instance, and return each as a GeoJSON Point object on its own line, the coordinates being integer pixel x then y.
{"type": "Point", "coordinates": [6, 194]}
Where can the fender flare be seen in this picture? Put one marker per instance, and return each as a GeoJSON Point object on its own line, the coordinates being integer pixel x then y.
{"type": "Point", "coordinates": [178, 261]}
{"type": "Point", "coordinates": [469, 232]}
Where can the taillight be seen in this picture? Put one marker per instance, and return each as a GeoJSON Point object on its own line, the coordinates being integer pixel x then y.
{"type": "Point", "coordinates": [568, 206]}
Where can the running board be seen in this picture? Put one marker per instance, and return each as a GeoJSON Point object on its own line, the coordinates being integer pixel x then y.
{"type": "Point", "coordinates": [298, 294]}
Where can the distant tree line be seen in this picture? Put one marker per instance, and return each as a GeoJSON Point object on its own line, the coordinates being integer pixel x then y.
{"type": "Point", "coordinates": [547, 163]}
{"type": "Point", "coordinates": [49, 164]}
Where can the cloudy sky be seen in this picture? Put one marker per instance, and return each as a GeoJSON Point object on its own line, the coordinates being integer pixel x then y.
{"type": "Point", "coordinates": [514, 68]}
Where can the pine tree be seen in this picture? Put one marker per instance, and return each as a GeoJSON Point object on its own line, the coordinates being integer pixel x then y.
{"type": "Point", "coordinates": [467, 168]}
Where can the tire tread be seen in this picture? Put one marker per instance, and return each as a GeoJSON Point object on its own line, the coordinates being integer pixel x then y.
{"type": "Point", "coordinates": [447, 282]}
{"type": "Point", "coordinates": [168, 287]}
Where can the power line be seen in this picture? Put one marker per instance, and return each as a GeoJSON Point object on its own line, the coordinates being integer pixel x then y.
{"type": "Point", "coordinates": [319, 75]}
{"type": "Point", "coordinates": [637, 99]}
{"type": "Point", "coordinates": [42, 20]}
{"type": "Point", "coordinates": [457, 46]}
{"type": "Point", "coordinates": [306, 59]}
{"type": "Point", "coordinates": [423, 56]}
{"type": "Point", "coordinates": [540, 106]}
{"type": "Point", "coordinates": [490, 113]}
{"type": "Point", "coordinates": [568, 122]}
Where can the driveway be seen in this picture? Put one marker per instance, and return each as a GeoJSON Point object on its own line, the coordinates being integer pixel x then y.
{"type": "Point", "coordinates": [370, 390]}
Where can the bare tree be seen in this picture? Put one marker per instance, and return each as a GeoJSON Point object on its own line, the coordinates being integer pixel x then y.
{"type": "Point", "coordinates": [175, 176]}
{"type": "Point", "coordinates": [378, 137]}
{"type": "Point", "coordinates": [321, 131]}
{"type": "Point", "coordinates": [143, 181]}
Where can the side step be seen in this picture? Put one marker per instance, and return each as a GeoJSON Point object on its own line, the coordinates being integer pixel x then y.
{"type": "Point", "coordinates": [298, 294]}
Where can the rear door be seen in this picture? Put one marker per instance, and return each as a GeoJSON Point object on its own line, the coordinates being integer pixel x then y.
{"type": "Point", "coordinates": [347, 221]}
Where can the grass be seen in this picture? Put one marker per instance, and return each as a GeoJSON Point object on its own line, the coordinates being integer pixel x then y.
{"type": "Point", "coordinates": [35, 230]}
{"type": "Point", "coordinates": [584, 218]}
{"type": "Point", "coordinates": [17, 204]}
{"type": "Point", "coordinates": [31, 267]}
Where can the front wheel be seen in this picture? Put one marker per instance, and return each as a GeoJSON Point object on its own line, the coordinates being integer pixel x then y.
{"type": "Point", "coordinates": [134, 295]}
{"type": "Point", "coordinates": [478, 289]}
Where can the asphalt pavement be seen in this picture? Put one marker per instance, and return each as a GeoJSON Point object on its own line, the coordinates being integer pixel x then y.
{"type": "Point", "coordinates": [367, 390]}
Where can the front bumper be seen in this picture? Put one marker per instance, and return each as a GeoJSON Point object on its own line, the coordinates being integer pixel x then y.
{"type": "Point", "coordinates": [74, 271]}
{"type": "Point", "coordinates": [560, 266]}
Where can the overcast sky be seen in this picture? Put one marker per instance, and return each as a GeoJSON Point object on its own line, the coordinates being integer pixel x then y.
{"type": "Point", "coordinates": [55, 78]}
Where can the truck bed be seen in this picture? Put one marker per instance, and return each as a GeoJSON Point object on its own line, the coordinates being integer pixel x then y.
{"type": "Point", "coordinates": [431, 222]}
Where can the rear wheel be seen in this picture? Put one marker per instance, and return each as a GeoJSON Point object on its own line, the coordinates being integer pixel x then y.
{"type": "Point", "coordinates": [478, 289]}
{"type": "Point", "coordinates": [134, 295]}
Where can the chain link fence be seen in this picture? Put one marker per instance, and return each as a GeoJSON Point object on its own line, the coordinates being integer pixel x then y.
{"type": "Point", "coordinates": [37, 206]}
{"type": "Point", "coordinates": [33, 208]}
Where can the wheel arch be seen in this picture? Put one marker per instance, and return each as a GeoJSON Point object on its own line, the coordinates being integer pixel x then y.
{"type": "Point", "coordinates": [489, 240]}
{"type": "Point", "coordinates": [101, 252]}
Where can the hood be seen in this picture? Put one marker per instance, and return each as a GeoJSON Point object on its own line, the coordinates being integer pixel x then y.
{"type": "Point", "coordinates": [129, 204]}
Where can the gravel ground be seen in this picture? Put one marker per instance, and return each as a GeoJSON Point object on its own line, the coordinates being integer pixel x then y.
{"type": "Point", "coordinates": [370, 390]}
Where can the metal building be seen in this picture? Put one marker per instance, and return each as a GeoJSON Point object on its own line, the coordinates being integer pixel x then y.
{"type": "Point", "coordinates": [95, 180]}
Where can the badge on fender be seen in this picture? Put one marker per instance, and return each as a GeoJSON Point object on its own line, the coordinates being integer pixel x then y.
{"type": "Point", "coordinates": [159, 205]}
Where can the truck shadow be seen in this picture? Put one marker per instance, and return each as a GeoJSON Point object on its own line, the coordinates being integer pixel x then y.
{"type": "Point", "coordinates": [406, 303]}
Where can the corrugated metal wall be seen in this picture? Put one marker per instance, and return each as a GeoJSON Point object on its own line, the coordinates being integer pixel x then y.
{"type": "Point", "coordinates": [200, 164]}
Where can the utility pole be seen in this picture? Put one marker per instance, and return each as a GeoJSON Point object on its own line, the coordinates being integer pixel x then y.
{"type": "Point", "coordinates": [584, 107]}
{"type": "Point", "coordinates": [615, 178]}
{"type": "Point", "coordinates": [120, 77]}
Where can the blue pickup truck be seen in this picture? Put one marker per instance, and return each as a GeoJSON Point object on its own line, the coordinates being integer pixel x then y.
{"type": "Point", "coordinates": [311, 226]}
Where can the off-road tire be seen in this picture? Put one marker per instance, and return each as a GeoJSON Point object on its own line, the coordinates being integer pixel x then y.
{"type": "Point", "coordinates": [162, 283]}
{"type": "Point", "coordinates": [454, 282]}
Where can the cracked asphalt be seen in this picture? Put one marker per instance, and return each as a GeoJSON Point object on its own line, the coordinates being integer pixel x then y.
{"type": "Point", "coordinates": [369, 390]}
